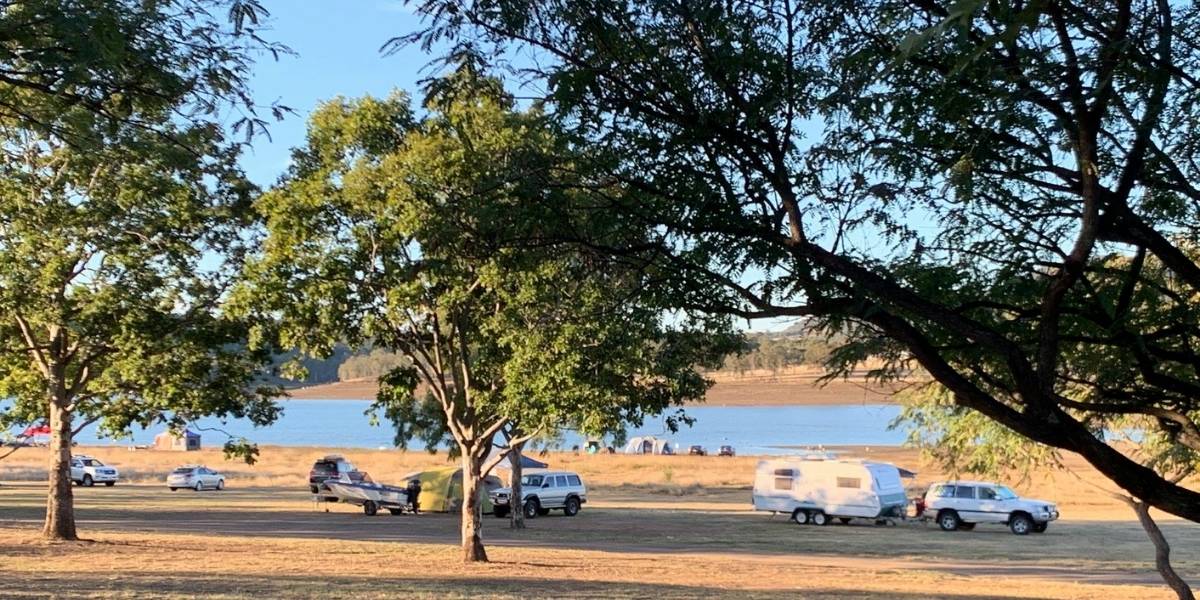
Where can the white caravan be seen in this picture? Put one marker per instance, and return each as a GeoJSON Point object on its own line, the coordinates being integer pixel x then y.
{"type": "Point", "coordinates": [817, 490]}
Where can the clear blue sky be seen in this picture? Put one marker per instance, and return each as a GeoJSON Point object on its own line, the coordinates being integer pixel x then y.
{"type": "Point", "coordinates": [337, 46]}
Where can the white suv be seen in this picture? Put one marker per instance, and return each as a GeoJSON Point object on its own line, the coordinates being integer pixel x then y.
{"type": "Point", "coordinates": [89, 471]}
{"type": "Point", "coordinates": [962, 504]}
{"type": "Point", "coordinates": [543, 491]}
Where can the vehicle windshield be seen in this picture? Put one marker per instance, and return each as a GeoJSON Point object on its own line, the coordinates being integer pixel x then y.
{"type": "Point", "coordinates": [532, 481]}
{"type": "Point", "coordinates": [182, 471]}
{"type": "Point", "coordinates": [1004, 493]}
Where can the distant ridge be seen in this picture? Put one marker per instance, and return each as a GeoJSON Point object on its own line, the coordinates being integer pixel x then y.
{"type": "Point", "coordinates": [795, 386]}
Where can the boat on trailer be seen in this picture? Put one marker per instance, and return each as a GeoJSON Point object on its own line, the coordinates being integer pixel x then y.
{"type": "Point", "coordinates": [369, 495]}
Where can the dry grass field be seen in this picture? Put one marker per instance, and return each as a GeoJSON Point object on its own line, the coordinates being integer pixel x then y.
{"type": "Point", "coordinates": [656, 527]}
{"type": "Point", "coordinates": [792, 386]}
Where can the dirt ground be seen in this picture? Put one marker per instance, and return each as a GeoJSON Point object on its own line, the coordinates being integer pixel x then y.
{"type": "Point", "coordinates": [661, 527]}
{"type": "Point", "coordinates": [793, 386]}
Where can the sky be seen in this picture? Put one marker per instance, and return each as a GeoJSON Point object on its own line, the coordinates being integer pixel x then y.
{"type": "Point", "coordinates": [337, 54]}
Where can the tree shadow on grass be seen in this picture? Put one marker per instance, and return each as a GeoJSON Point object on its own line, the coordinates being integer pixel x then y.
{"type": "Point", "coordinates": [200, 585]}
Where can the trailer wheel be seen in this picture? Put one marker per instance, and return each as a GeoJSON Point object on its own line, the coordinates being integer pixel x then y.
{"type": "Point", "coordinates": [800, 517]}
{"type": "Point", "coordinates": [370, 508]}
{"type": "Point", "coordinates": [396, 511]}
{"type": "Point", "coordinates": [819, 518]}
{"type": "Point", "coordinates": [844, 520]}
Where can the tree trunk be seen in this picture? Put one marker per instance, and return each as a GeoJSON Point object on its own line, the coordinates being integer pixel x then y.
{"type": "Point", "coordinates": [60, 502]}
{"type": "Point", "coordinates": [516, 513]}
{"type": "Point", "coordinates": [472, 509]}
{"type": "Point", "coordinates": [1162, 551]}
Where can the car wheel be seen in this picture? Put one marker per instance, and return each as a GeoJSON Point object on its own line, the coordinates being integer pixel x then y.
{"type": "Point", "coordinates": [800, 517]}
{"type": "Point", "coordinates": [500, 512]}
{"type": "Point", "coordinates": [532, 508]}
{"type": "Point", "coordinates": [313, 489]}
{"type": "Point", "coordinates": [87, 480]}
{"type": "Point", "coordinates": [571, 508]}
{"type": "Point", "coordinates": [966, 526]}
{"type": "Point", "coordinates": [819, 518]}
{"type": "Point", "coordinates": [1020, 524]}
{"type": "Point", "coordinates": [543, 511]}
{"type": "Point", "coordinates": [396, 511]}
{"type": "Point", "coordinates": [844, 520]}
{"type": "Point", "coordinates": [370, 508]}
{"type": "Point", "coordinates": [220, 484]}
{"type": "Point", "coordinates": [1039, 527]}
{"type": "Point", "coordinates": [110, 483]}
{"type": "Point", "coordinates": [948, 520]}
{"type": "Point", "coordinates": [199, 486]}
{"type": "Point", "coordinates": [173, 489]}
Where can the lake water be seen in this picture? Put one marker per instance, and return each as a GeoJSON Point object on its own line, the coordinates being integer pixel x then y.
{"type": "Point", "coordinates": [749, 429]}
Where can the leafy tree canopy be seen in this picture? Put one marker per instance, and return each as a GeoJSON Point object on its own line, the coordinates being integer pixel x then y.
{"type": "Point", "coordinates": [1001, 194]}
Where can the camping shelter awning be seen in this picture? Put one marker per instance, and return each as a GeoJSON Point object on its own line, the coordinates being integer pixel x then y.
{"type": "Point", "coordinates": [526, 463]}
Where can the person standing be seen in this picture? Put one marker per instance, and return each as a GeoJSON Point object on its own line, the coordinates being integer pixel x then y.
{"type": "Point", "coordinates": [414, 495]}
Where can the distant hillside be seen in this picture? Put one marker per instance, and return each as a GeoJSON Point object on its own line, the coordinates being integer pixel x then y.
{"type": "Point", "coordinates": [769, 354]}
{"type": "Point", "coordinates": [319, 370]}
{"type": "Point", "coordinates": [793, 386]}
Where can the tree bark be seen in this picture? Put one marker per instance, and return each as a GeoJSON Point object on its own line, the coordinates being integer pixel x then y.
{"type": "Point", "coordinates": [1162, 551]}
{"type": "Point", "coordinates": [472, 509]}
{"type": "Point", "coordinates": [516, 512]}
{"type": "Point", "coordinates": [60, 502]}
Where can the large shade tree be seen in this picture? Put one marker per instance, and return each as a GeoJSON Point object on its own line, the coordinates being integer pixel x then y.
{"type": "Point", "coordinates": [121, 217]}
{"type": "Point", "coordinates": [973, 188]}
{"type": "Point", "coordinates": [426, 236]}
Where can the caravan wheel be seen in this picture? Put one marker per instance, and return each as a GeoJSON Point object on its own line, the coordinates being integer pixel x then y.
{"type": "Point", "coordinates": [800, 517]}
{"type": "Point", "coordinates": [819, 518]}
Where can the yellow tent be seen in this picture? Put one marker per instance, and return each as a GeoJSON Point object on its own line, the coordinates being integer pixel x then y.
{"type": "Point", "coordinates": [442, 489]}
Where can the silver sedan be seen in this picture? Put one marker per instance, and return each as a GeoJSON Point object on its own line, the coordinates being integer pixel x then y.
{"type": "Point", "coordinates": [196, 477]}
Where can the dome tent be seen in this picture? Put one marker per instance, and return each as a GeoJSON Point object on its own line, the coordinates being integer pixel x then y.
{"type": "Point", "coordinates": [648, 445]}
{"type": "Point", "coordinates": [442, 489]}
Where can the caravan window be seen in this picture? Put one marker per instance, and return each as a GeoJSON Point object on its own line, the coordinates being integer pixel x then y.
{"type": "Point", "coordinates": [849, 482]}
{"type": "Point", "coordinates": [784, 478]}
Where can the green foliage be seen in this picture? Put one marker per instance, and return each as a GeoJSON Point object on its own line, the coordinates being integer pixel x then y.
{"type": "Point", "coordinates": [125, 214]}
{"type": "Point", "coordinates": [64, 64]}
{"type": "Point", "coordinates": [428, 237]}
{"type": "Point", "coordinates": [961, 440]}
{"type": "Point", "coordinates": [999, 193]}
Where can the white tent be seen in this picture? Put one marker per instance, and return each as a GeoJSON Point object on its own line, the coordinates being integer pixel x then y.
{"type": "Point", "coordinates": [648, 445]}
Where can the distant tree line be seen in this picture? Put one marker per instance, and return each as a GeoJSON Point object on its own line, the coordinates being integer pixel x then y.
{"type": "Point", "coordinates": [774, 352]}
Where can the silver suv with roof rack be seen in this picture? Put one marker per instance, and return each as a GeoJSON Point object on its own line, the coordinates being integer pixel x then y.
{"type": "Point", "coordinates": [963, 504]}
{"type": "Point", "coordinates": [543, 491]}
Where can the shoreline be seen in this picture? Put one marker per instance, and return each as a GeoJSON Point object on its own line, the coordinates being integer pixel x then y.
{"type": "Point", "coordinates": [784, 390]}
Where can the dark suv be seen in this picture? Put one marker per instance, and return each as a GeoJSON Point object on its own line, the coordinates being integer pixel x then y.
{"type": "Point", "coordinates": [331, 467]}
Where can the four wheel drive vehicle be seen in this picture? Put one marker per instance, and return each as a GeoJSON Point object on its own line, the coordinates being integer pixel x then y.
{"type": "Point", "coordinates": [963, 504]}
{"type": "Point", "coordinates": [332, 466]}
{"type": "Point", "coordinates": [725, 451]}
{"type": "Point", "coordinates": [543, 491]}
{"type": "Point", "coordinates": [89, 471]}
{"type": "Point", "coordinates": [815, 490]}
{"type": "Point", "coordinates": [697, 451]}
{"type": "Point", "coordinates": [196, 477]}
